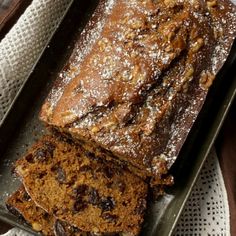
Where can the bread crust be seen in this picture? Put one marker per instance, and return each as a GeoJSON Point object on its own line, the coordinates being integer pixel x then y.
{"type": "Point", "coordinates": [139, 77]}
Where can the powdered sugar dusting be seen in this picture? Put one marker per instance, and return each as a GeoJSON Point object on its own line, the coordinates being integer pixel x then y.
{"type": "Point", "coordinates": [221, 51]}
{"type": "Point", "coordinates": [109, 6]}
{"type": "Point", "coordinates": [135, 71]}
{"type": "Point", "coordinates": [90, 34]}
{"type": "Point", "coordinates": [225, 29]}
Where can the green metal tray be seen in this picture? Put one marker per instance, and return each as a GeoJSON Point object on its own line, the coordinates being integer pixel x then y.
{"type": "Point", "coordinates": [21, 126]}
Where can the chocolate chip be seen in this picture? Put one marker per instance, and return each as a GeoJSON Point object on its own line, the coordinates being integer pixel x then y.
{"type": "Point", "coordinates": [45, 153]}
{"type": "Point", "coordinates": [50, 147]}
{"type": "Point", "coordinates": [85, 168]}
{"type": "Point", "coordinates": [26, 196]}
{"type": "Point", "coordinates": [41, 174]}
{"type": "Point", "coordinates": [107, 204]}
{"type": "Point", "coordinates": [46, 216]}
{"type": "Point", "coordinates": [91, 156]}
{"type": "Point", "coordinates": [14, 211]}
{"type": "Point", "coordinates": [54, 210]}
{"type": "Point", "coordinates": [139, 210]}
{"type": "Point", "coordinates": [30, 158]}
{"type": "Point", "coordinates": [63, 137]}
{"type": "Point", "coordinates": [81, 190]}
{"type": "Point", "coordinates": [108, 172]}
{"type": "Point", "coordinates": [63, 229]}
{"type": "Point", "coordinates": [59, 229]}
{"type": "Point", "coordinates": [109, 217]}
{"type": "Point", "coordinates": [79, 205]}
{"type": "Point", "coordinates": [61, 175]}
{"type": "Point", "coordinates": [73, 230]}
{"type": "Point", "coordinates": [93, 196]}
{"type": "Point", "coordinates": [40, 154]}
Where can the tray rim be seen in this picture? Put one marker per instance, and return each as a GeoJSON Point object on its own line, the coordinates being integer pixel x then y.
{"type": "Point", "coordinates": [218, 122]}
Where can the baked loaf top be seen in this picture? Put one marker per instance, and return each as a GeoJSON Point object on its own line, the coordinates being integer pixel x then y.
{"type": "Point", "coordinates": [82, 190]}
{"type": "Point", "coordinates": [139, 76]}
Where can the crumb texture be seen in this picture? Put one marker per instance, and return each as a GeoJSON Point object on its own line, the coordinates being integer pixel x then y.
{"type": "Point", "coordinates": [77, 187]}
{"type": "Point", "coordinates": [21, 205]}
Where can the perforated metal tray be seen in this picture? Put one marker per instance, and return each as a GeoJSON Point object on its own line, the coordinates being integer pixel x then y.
{"type": "Point", "coordinates": [21, 126]}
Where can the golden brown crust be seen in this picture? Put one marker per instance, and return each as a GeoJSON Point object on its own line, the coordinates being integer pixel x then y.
{"type": "Point", "coordinates": [143, 78]}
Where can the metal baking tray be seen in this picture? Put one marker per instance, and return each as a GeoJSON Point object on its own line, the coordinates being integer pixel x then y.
{"type": "Point", "coordinates": [21, 126]}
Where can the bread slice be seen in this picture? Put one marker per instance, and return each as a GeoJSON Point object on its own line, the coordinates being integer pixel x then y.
{"type": "Point", "coordinates": [81, 189]}
{"type": "Point", "coordinates": [21, 205]}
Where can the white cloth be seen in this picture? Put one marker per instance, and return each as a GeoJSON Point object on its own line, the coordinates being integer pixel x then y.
{"type": "Point", "coordinates": [17, 232]}
{"type": "Point", "coordinates": [206, 211]}
{"type": "Point", "coordinates": [23, 45]}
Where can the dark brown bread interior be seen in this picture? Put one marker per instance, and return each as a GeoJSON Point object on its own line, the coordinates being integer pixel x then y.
{"type": "Point", "coordinates": [21, 205]}
{"type": "Point", "coordinates": [81, 189]}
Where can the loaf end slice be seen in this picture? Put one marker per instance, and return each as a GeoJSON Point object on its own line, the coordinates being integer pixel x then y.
{"type": "Point", "coordinates": [21, 205]}
{"type": "Point", "coordinates": [79, 188]}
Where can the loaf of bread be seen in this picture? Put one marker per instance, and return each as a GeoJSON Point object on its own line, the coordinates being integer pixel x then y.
{"type": "Point", "coordinates": [21, 205]}
{"type": "Point", "coordinates": [81, 189]}
{"type": "Point", "coordinates": [138, 78]}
